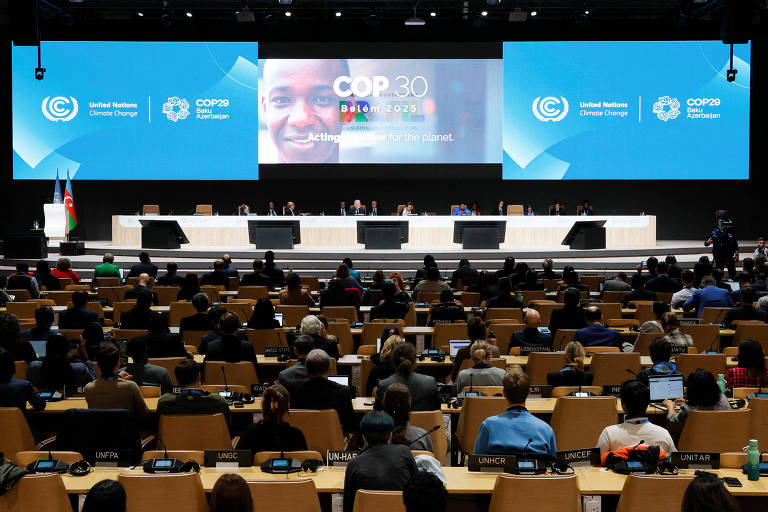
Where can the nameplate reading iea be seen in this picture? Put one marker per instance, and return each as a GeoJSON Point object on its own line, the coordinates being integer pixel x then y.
{"type": "Point", "coordinates": [696, 460]}
{"type": "Point", "coordinates": [258, 389]}
{"type": "Point", "coordinates": [340, 458]}
{"type": "Point", "coordinates": [540, 391]}
{"type": "Point", "coordinates": [228, 458]}
{"type": "Point", "coordinates": [277, 351]}
{"type": "Point", "coordinates": [527, 349]}
{"type": "Point", "coordinates": [490, 463]}
{"type": "Point", "coordinates": [583, 457]}
{"type": "Point", "coordinates": [108, 458]}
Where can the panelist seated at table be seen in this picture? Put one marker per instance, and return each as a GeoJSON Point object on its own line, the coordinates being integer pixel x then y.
{"type": "Point", "coordinates": [596, 334]}
{"type": "Point", "coordinates": [573, 373]}
{"type": "Point", "coordinates": [271, 212]}
{"type": "Point", "coordinates": [217, 277]}
{"type": "Point", "coordinates": [531, 336]}
{"type": "Point", "coordinates": [342, 210]}
{"type": "Point", "coordinates": [461, 210]}
{"type": "Point", "coordinates": [294, 294]}
{"type": "Point", "coordinates": [515, 431]}
{"type": "Point", "coordinates": [585, 208]}
{"type": "Point", "coordinates": [172, 276]}
{"type": "Point", "coordinates": [390, 308]}
{"type": "Point", "coordinates": [142, 283]}
{"type": "Point", "coordinates": [273, 433]}
{"type": "Point", "coordinates": [446, 311]}
{"type": "Point", "coordinates": [44, 318]}
{"type": "Point", "coordinates": [474, 209]}
{"type": "Point", "coordinates": [109, 391]}
{"type": "Point", "coordinates": [357, 208]}
{"type": "Point", "coordinates": [55, 371]}
{"type": "Point", "coordinates": [481, 373]}
{"type": "Point", "coordinates": [141, 372]}
{"type": "Point", "coordinates": [78, 316]}
{"type": "Point", "coordinates": [374, 209]}
{"type": "Point", "coordinates": [708, 296]}
{"type": "Point", "coordinates": [557, 209]}
{"type": "Point", "coordinates": [701, 394]}
{"type": "Point", "coordinates": [16, 392]}
{"type": "Point", "coordinates": [383, 466]}
{"type": "Point", "coordinates": [192, 399]}
{"type": "Point", "coordinates": [408, 210]}
{"type": "Point", "coordinates": [257, 277]}
{"type": "Point", "coordinates": [529, 211]}
{"type": "Point", "coordinates": [636, 429]}
{"type": "Point", "coordinates": [290, 209]}
{"type": "Point", "coordinates": [423, 388]}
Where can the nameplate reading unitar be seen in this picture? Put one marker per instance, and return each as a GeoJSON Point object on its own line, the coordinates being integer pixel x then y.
{"type": "Point", "coordinates": [696, 460]}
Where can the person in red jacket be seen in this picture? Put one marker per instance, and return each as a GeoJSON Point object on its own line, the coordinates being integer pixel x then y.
{"type": "Point", "coordinates": [64, 269]}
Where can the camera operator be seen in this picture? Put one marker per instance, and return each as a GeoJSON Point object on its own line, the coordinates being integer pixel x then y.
{"type": "Point", "coordinates": [725, 248]}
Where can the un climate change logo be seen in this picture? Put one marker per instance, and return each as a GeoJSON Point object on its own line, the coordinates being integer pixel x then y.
{"type": "Point", "coordinates": [60, 108]}
{"type": "Point", "coordinates": [169, 108]}
{"type": "Point", "coordinates": [550, 108]}
{"type": "Point", "coordinates": [666, 108]}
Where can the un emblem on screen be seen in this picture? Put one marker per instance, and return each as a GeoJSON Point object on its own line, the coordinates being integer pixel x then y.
{"type": "Point", "coordinates": [176, 108]}
{"type": "Point", "coordinates": [550, 108]}
{"type": "Point", "coordinates": [59, 108]}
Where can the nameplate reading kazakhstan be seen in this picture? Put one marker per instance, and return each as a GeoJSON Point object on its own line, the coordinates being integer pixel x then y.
{"type": "Point", "coordinates": [696, 460]}
{"type": "Point", "coordinates": [490, 463]}
{"type": "Point", "coordinates": [527, 349]}
{"type": "Point", "coordinates": [340, 458]}
{"type": "Point", "coordinates": [228, 458]}
{"type": "Point", "coordinates": [583, 457]}
{"type": "Point", "coordinates": [277, 351]}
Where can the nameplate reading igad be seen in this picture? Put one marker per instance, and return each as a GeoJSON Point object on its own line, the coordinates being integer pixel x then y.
{"type": "Point", "coordinates": [540, 391]}
{"type": "Point", "coordinates": [340, 458]}
{"type": "Point", "coordinates": [108, 458]}
{"type": "Point", "coordinates": [258, 389]}
{"type": "Point", "coordinates": [277, 351]}
{"type": "Point", "coordinates": [614, 390]}
{"type": "Point", "coordinates": [527, 349]}
{"type": "Point", "coordinates": [490, 463]}
{"type": "Point", "coordinates": [228, 458]}
{"type": "Point", "coordinates": [583, 457]}
{"type": "Point", "coordinates": [696, 460]}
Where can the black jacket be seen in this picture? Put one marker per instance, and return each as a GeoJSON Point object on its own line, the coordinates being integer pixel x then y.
{"type": "Point", "coordinates": [270, 437]}
{"type": "Point", "coordinates": [48, 280]}
{"type": "Point", "coordinates": [664, 284]}
{"type": "Point", "coordinates": [215, 278]}
{"type": "Point", "coordinates": [143, 268]}
{"type": "Point", "coordinates": [343, 298]}
{"type": "Point", "coordinates": [255, 279]}
{"type": "Point", "coordinates": [509, 301]}
{"type": "Point", "coordinates": [320, 393]}
{"type": "Point", "coordinates": [468, 276]}
{"type": "Point", "coordinates": [390, 309]}
{"type": "Point", "coordinates": [196, 322]}
{"type": "Point", "coordinates": [446, 312]}
{"type": "Point", "coordinates": [136, 318]}
{"type": "Point", "coordinates": [530, 337]}
{"type": "Point", "coordinates": [231, 350]}
{"type": "Point", "coordinates": [171, 280]}
{"type": "Point", "coordinates": [75, 318]}
{"type": "Point", "coordinates": [134, 292]}
{"type": "Point", "coordinates": [163, 344]}
{"type": "Point", "coordinates": [566, 318]}
{"type": "Point", "coordinates": [569, 378]}
{"type": "Point", "coordinates": [639, 294]}
{"type": "Point", "coordinates": [745, 312]}
{"type": "Point", "coordinates": [382, 467]}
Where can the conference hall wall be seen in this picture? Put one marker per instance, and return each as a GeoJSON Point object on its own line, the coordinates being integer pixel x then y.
{"type": "Point", "coordinates": [634, 126]}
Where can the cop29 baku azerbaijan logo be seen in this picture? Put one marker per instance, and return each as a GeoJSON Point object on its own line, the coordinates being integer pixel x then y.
{"type": "Point", "coordinates": [550, 108]}
{"type": "Point", "coordinates": [176, 108]}
{"type": "Point", "coordinates": [666, 108]}
{"type": "Point", "coordinates": [59, 108]}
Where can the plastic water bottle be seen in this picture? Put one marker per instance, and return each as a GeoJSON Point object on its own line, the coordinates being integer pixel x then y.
{"type": "Point", "coordinates": [753, 460]}
{"type": "Point", "coordinates": [721, 382]}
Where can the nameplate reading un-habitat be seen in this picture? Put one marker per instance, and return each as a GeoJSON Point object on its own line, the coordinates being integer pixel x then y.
{"type": "Point", "coordinates": [340, 458]}
{"type": "Point", "coordinates": [490, 463]}
{"type": "Point", "coordinates": [228, 458]}
{"type": "Point", "coordinates": [696, 460]}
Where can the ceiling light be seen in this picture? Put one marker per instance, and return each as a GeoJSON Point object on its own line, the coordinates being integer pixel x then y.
{"type": "Point", "coordinates": [433, 14]}
{"type": "Point", "coordinates": [534, 13]}
{"type": "Point", "coordinates": [484, 13]}
{"type": "Point", "coordinates": [189, 14]}
{"type": "Point", "coordinates": [338, 14]}
{"type": "Point", "coordinates": [586, 12]}
{"type": "Point", "coordinates": [140, 14]}
{"type": "Point", "coordinates": [288, 13]}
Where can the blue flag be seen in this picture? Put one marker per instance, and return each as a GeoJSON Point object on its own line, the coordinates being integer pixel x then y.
{"type": "Point", "coordinates": [57, 199]}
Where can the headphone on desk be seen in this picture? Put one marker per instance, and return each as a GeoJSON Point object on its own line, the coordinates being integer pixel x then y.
{"type": "Point", "coordinates": [80, 468]}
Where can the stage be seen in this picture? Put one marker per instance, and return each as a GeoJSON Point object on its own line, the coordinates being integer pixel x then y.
{"type": "Point", "coordinates": [436, 232]}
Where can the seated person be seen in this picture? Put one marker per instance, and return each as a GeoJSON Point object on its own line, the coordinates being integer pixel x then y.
{"type": "Point", "coordinates": [383, 360]}
{"type": "Point", "coordinates": [145, 265]}
{"type": "Point", "coordinates": [312, 326]}
{"type": "Point", "coordinates": [431, 282]}
{"type": "Point", "coordinates": [161, 342]}
{"type": "Point", "coordinates": [230, 348]}
{"type": "Point", "coordinates": [189, 288]}
{"type": "Point", "coordinates": [423, 388]}
{"type": "Point", "coordinates": [425, 491]}
{"type": "Point", "coordinates": [618, 283]}
{"type": "Point", "coordinates": [750, 371]}
{"type": "Point", "coordinates": [709, 296]}
{"type": "Point", "coordinates": [11, 340]}
{"type": "Point", "coordinates": [678, 298]}
{"type": "Point", "coordinates": [482, 373]}
{"type": "Point", "coordinates": [547, 270]}
{"type": "Point", "coordinates": [105, 495]}
{"type": "Point", "coordinates": [661, 353]}
{"type": "Point", "coordinates": [111, 392]}
{"type": "Point", "coordinates": [636, 429]}
{"type": "Point", "coordinates": [273, 433]}
{"type": "Point", "coordinates": [586, 208]}
{"type": "Point", "coordinates": [192, 399]}
{"type": "Point", "coordinates": [297, 374]}
{"type": "Point", "coordinates": [200, 320]}
{"type": "Point", "coordinates": [142, 286]}
{"type": "Point", "coordinates": [506, 297]}
{"type": "Point", "coordinates": [571, 315]}
{"type": "Point", "coordinates": [55, 371]}
{"type": "Point", "coordinates": [446, 311]}
{"type": "Point", "coordinates": [344, 274]}
{"type": "Point", "coordinates": [402, 294]}
{"type": "Point", "coordinates": [257, 277]}
{"type": "Point", "coordinates": [354, 274]}
{"type": "Point", "coordinates": [141, 372]}
{"type": "Point", "coordinates": [229, 269]}
{"type": "Point", "coordinates": [571, 280]}
{"type": "Point", "coordinates": [557, 209]}
{"type": "Point", "coordinates": [383, 466]}
{"type": "Point", "coordinates": [654, 325]}
{"type": "Point", "coordinates": [707, 493]}
{"type": "Point", "coordinates": [516, 430]}
{"type": "Point", "coordinates": [662, 283]}
{"type": "Point", "coordinates": [531, 336]}
{"type": "Point", "coordinates": [45, 278]}
{"type": "Point", "coordinates": [64, 270]}
{"type": "Point", "coordinates": [336, 295]}
{"type": "Point", "coordinates": [702, 394]}
{"type": "Point", "coordinates": [44, 318]}
{"type": "Point", "coordinates": [672, 334]}
{"type": "Point", "coordinates": [294, 294]}
{"type": "Point", "coordinates": [639, 292]}
{"type": "Point", "coordinates": [595, 334]}
{"type": "Point", "coordinates": [16, 392]}
{"type": "Point", "coordinates": [397, 403]}
{"type": "Point", "coordinates": [21, 280]}
{"type": "Point", "coordinates": [476, 330]}
{"type": "Point", "coordinates": [78, 316]}
{"type": "Point", "coordinates": [263, 316]}
{"type": "Point", "coordinates": [745, 310]}
{"type": "Point", "coordinates": [464, 275]}
{"type": "Point", "coordinates": [461, 210]}
{"type": "Point", "coordinates": [214, 315]}
{"type": "Point", "coordinates": [372, 295]}
{"type": "Point", "coordinates": [531, 281]}
{"type": "Point", "coordinates": [317, 392]}
{"type": "Point", "coordinates": [573, 373]}
{"type": "Point", "coordinates": [390, 308]}
{"type": "Point", "coordinates": [217, 277]}
{"type": "Point", "coordinates": [171, 277]}
{"type": "Point", "coordinates": [140, 317]}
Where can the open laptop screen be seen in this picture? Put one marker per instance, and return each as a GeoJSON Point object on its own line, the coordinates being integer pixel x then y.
{"type": "Point", "coordinates": [665, 386]}
{"type": "Point", "coordinates": [455, 345]}
{"type": "Point", "coordinates": [339, 379]}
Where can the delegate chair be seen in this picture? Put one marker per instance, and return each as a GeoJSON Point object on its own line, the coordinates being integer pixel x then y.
{"type": "Point", "coordinates": [252, 292]}
{"type": "Point", "coordinates": [87, 430]}
{"type": "Point", "coordinates": [166, 492]}
{"type": "Point", "coordinates": [610, 310]}
{"type": "Point", "coordinates": [120, 334]}
{"type": "Point", "coordinates": [542, 363]}
{"type": "Point", "coordinates": [19, 295]}
{"type": "Point", "coordinates": [296, 495]}
{"type": "Point", "coordinates": [22, 310]}
{"type": "Point", "coordinates": [428, 297]}
{"type": "Point", "coordinates": [212, 291]}
{"type": "Point", "coordinates": [613, 296]}
{"type": "Point", "coordinates": [348, 313]}
{"type": "Point", "coordinates": [504, 333]}
{"type": "Point", "coordinates": [310, 282]}
{"type": "Point", "coordinates": [643, 342]}
{"type": "Point", "coordinates": [179, 310]}
{"type": "Point", "coordinates": [562, 338]}
{"type": "Point", "coordinates": [539, 492]}
{"type": "Point", "coordinates": [443, 333]}
{"type": "Point", "coordinates": [704, 431]}
{"type": "Point", "coordinates": [713, 315]}
{"type": "Point", "coordinates": [71, 334]}
{"type": "Point", "coordinates": [593, 282]}
{"type": "Point", "coordinates": [60, 297]}
{"type": "Point", "coordinates": [470, 299]}
{"type": "Point", "coordinates": [758, 420]}
{"type": "Point", "coordinates": [473, 412]}
{"type": "Point", "coordinates": [379, 501]}
{"type": "Point", "coordinates": [644, 311]}
{"type": "Point", "coordinates": [98, 282]}
{"type": "Point", "coordinates": [243, 311]}
{"type": "Point", "coordinates": [150, 391]}
{"type": "Point", "coordinates": [578, 422]}
{"type": "Point", "coordinates": [261, 338]}
{"type": "Point", "coordinates": [366, 365]}
{"type": "Point", "coordinates": [24, 458]}
{"type": "Point", "coordinates": [166, 294]}
{"type": "Point", "coordinates": [705, 336]}
{"type": "Point", "coordinates": [428, 420]}
{"type": "Point", "coordinates": [756, 331]}
{"type": "Point", "coordinates": [17, 437]}
{"type": "Point", "coordinates": [648, 492]}
{"type": "Point", "coordinates": [373, 330]}
{"type": "Point", "coordinates": [150, 209]}
{"type": "Point", "coordinates": [531, 295]}
{"type": "Point", "coordinates": [169, 363]}
{"type": "Point", "coordinates": [292, 315]}
{"type": "Point", "coordinates": [515, 209]}
{"type": "Point", "coordinates": [194, 338]}
{"type": "Point", "coordinates": [118, 308]}
{"type": "Point", "coordinates": [194, 432]}
{"type": "Point", "coordinates": [713, 363]}
{"type": "Point", "coordinates": [583, 295]}
{"type": "Point", "coordinates": [610, 369]}
{"type": "Point", "coordinates": [545, 310]}
{"type": "Point", "coordinates": [343, 333]}
{"type": "Point", "coordinates": [504, 314]}
{"type": "Point", "coordinates": [242, 373]}
{"type": "Point", "coordinates": [21, 371]}
{"type": "Point", "coordinates": [36, 493]}
{"type": "Point", "coordinates": [321, 429]}
{"type": "Point", "coordinates": [112, 294]}
{"type": "Point", "coordinates": [204, 209]}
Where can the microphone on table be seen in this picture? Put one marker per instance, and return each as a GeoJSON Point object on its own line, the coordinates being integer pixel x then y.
{"type": "Point", "coordinates": [425, 434]}
{"type": "Point", "coordinates": [165, 448]}
{"type": "Point", "coordinates": [713, 343]}
{"type": "Point", "coordinates": [470, 382]}
{"type": "Point", "coordinates": [227, 395]}
{"type": "Point", "coordinates": [525, 448]}
{"type": "Point", "coordinates": [633, 373]}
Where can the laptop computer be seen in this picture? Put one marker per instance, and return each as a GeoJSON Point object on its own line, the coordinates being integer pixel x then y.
{"type": "Point", "coordinates": [279, 318]}
{"type": "Point", "coordinates": [455, 345]}
{"type": "Point", "coordinates": [664, 387]}
{"type": "Point", "coordinates": [339, 379]}
{"type": "Point", "coordinates": [39, 346]}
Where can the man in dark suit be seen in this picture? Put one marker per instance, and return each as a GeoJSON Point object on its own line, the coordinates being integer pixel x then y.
{"type": "Point", "coordinates": [374, 209]}
{"type": "Point", "coordinates": [214, 315]}
{"type": "Point", "coordinates": [45, 278]}
{"type": "Point", "coordinates": [342, 208]}
{"type": "Point", "coordinates": [276, 275]}
{"type": "Point", "coordinates": [145, 266]}
{"type": "Point", "coordinates": [79, 315]}
{"type": "Point", "coordinates": [595, 334]}
{"type": "Point", "coordinates": [673, 269]}
{"type": "Point", "coordinates": [571, 316]}
{"type": "Point", "coordinates": [44, 318]}
{"type": "Point", "coordinates": [531, 336]}
{"type": "Point", "coordinates": [200, 321]}
{"type": "Point", "coordinates": [229, 270]}
{"type": "Point", "coordinates": [312, 326]}
{"type": "Point", "coordinates": [271, 212]}
{"type": "Point", "coordinates": [230, 348]}
{"type": "Point", "coordinates": [446, 311]}
{"type": "Point", "coordinates": [639, 291]}
{"type": "Point", "coordinates": [21, 280]}
{"type": "Point", "coordinates": [141, 315]}
{"type": "Point", "coordinates": [291, 210]}
{"type": "Point", "coordinates": [171, 277]}
{"type": "Point", "coordinates": [467, 274]}
{"type": "Point", "coordinates": [421, 274]}
{"type": "Point", "coordinates": [142, 287]}
{"type": "Point", "coordinates": [663, 282]}
{"type": "Point", "coordinates": [317, 392]}
{"type": "Point", "coordinates": [296, 375]}
{"type": "Point", "coordinates": [745, 310]}
{"type": "Point", "coordinates": [710, 296]}
{"type": "Point", "coordinates": [650, 264]}
{"type": "Point", "coordinates": [390, 308]}
{"type": "Point", "coordinates": [160, 342]}
{"type": "Point", "coordinates": [217, 277]}
{"type": "Point", "coordinates": [257, 277]}
{"type": "Point", "coordinates": [357, 208]}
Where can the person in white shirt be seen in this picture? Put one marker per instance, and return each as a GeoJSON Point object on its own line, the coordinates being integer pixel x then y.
{"type": "Point", "coordinates": [761, 249]}
{"type": "Point", "coordinates": [408, 210]}
{"type": "Point", "coordinates": [679, 298]}
{"type": "Point", "coordinates": [635, 397]}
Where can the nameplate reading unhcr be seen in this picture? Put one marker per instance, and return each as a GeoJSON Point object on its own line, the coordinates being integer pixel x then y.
{"type": "Point", "coordinates": [228, 458]}
{"type": "Point", "coordinates": [583, 457]}
{"type": "Point", "coordinates": [696, 460]}
{"type": "Point", "coordinates": [340, 458]}
{"type": "Point", "coordinates": [490, 463]}
{"type": "Point", "coordinates": [278, 351]}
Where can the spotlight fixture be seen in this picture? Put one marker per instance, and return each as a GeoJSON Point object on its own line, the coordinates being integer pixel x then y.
{"type": "Point", "coordinates": [534, 13]}
{"type": "Point", "coordinates": [189, 14]}
{"type": "Point", "coordinates": [484, 13]}
{"type": "Point", "coordinates": [245, 16]}
{"type": "Point", "coordinates": [285, 2]}
{"type": "Point", "coordinates": [338, 14]}
{"type": "Point", "coordinates": [415, 21]}
{"type": "Point", "coordinates": [433, 14]}
{"type": "Point", "coordinates": [140, 14]}
{"type": "Point", "coordinates": [288, 13]}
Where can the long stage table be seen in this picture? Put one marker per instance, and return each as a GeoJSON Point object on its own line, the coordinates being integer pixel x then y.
{"type": "Point", "coordinates": [424, 231]}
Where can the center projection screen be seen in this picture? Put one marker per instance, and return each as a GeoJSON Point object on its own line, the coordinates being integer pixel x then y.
{"type": "Point", "coordinates": [545, 111]}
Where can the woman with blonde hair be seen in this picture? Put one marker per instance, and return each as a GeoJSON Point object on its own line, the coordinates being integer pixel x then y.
{"type": "Point", "coordinates": [481, 373]}
{"type": "Point", "coordinates": [383, 363]}
{"type": "Point", "coordinates": [573, 373]}
{"type": "Point", "coordinates": [273, 434]}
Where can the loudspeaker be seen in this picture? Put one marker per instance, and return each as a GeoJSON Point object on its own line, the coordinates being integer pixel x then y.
{"type": "Point", "coordinates": [72, 248]}
{"type": "Point", "coordinates": [382, 238]}
{"type": "Point", "coordinates": [22, 16]}
{"type": "Point", "coordinates": [26, 246]}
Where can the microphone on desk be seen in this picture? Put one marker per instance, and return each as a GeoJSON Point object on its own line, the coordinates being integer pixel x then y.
{"type": "Point", "coordinates": [165, 448]}
{"type": "Point", "coordinates": [525, 448]}
{"type": "Point", "coordinates": [425, 434]}
{"type": "Point", "coordinates": [470, 382]}
{"type": "Point", "coordinates": [711, 345]}
{"type": "Point", "coordinates": [227, 395]}
{"type": "Point", "coordinates": [633, 373]}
